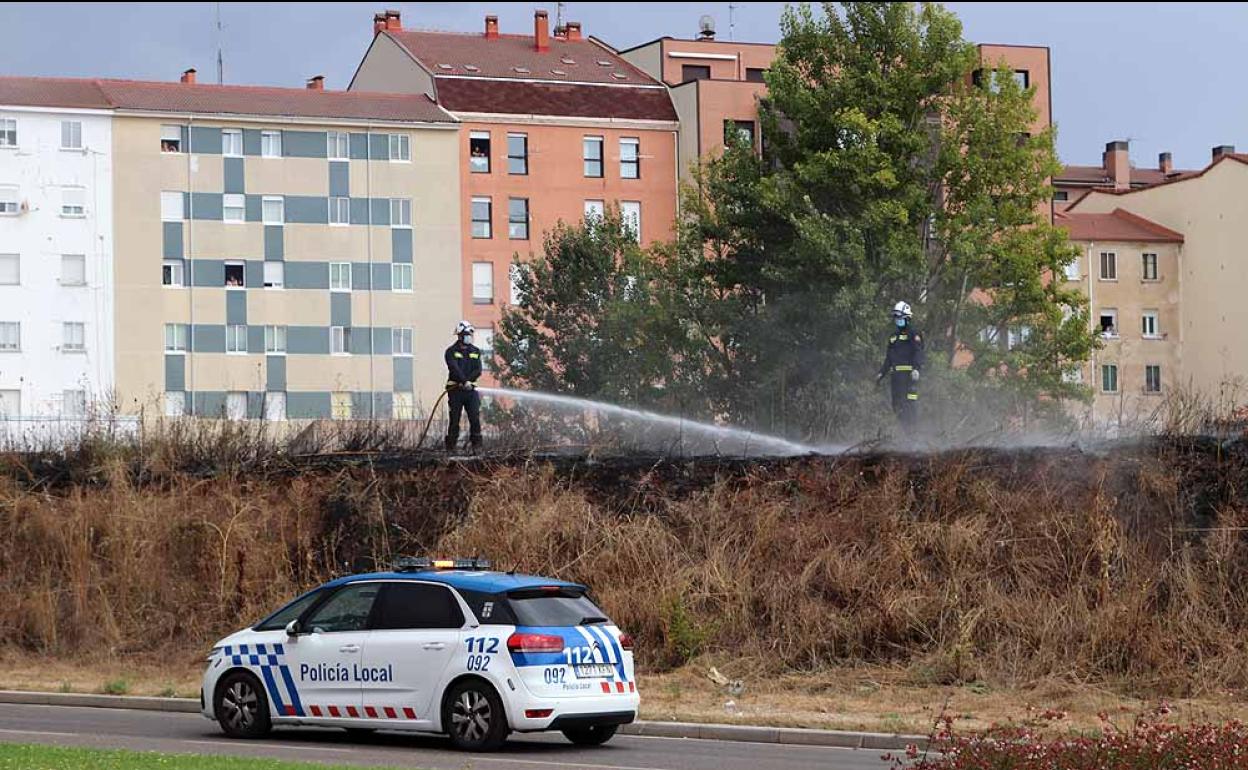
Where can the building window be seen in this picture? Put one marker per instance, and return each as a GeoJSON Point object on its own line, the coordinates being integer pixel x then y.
{"type": "Point", "coordinates": [1149, 266]}
{"type": "Point", "coordinates": [1109, 378]}
{"type": "Point", "coordinates": [236, 405]}
{"type": "Point", "coordinates": [591, 153]}
{"type": "Point", "coordinates": [630, 216]}
{"type": "Point", "coordinates": [479, 152]}
{"type": "Point", "coordinates": [339, 340]}
{"type": "Point", "coordinates": [234, 207]}
{"type": "Point", "coordinates": [518, 219]}
{"type": "Point", "coordinates": [484, 338]}
{"type": "Point", "coordinates": [482, 283]}
{"type": "Point", "coordinates": [1023, 78]}
{"type": "Point", "coordinates": [10, 270]}
{"type": "Point", "coordinates": [8, 132]}
{"type": "Point", "coordinates": [73, 269]}
{"type": "Point", "coordinates": [10, 403]}
{"type": "Point", "coordinates": [1109, 322]}
{"type": "Point", "coordinates": [235, 275]}
{"type": "Point", "coordinates": [339, 211]}
{"type": "Point", "coordinates": [401, 340]}
{"type": "Point", "coordinates": [275, 406]}
{"type": "Point", "coordinates": [172, 206]}
{"type": "Point", "coordinates": [171, 273]}
{"type": "Point", "coordinates": [73, 337]}
{"type": "Point", "coordinates": [8, 199]}
{"type": "Point", "coordinates": [175, 404]}
{"type": "Point", "coordinates": [170, 138]}
{"type": "Point", "coordinates": [741, 131]}
{"type": "Point", "coordinates": [275, 339]}
{"type": "Point", "coordinates": [274, 274]}
{"type": "Point", "coordinates": [273, 209]}
{"type": "Point", "coordinates": [1072, 269]}
{"type": "Point", "coordinates": [175, 337]}
{"type": "Point", "coordinates": [594, 210]}
{"type": "Point", "coordinates": [1150, 324]}
{"type": "Point", "coordinates": [630, 158]}
{"type": "Point", "coordinates": [404, 406]}
{"type": "Point", "coordinates": [232, 142]}
{"type": "Point", "coordinates": [338, 145]}
{"type": "Point", "coordinates": [73, 202]}
{"type": "Point", "coordinates": [271, 144]}
{"type": "Point", "coordinates": [10, 336]}
{"type": "Point", "coordinates": [755, 75]}
{"type": "Point", "coordinates": [236, 338]}
{"type": "Point", "coordinates": [1152, 378]}
{"type": "Point", "coordinates": [400, 148]}
{"type": "Point", "coordinates": [400, 212]}
{"type": "Point", "coordinates": [1016, 336]}
{"type": "Point", "coordinates": [694, 72]}
{"type": "Point", "coordinates": [340, 276]}
{"type": "Point", "coordinates": [517, 154]}
{"type": "Point", "coordinates": [1109, 266]}
{"type": "Point", "coordinates": [401, 277]}
{"type": "Point", "coordinates": [340, 405]}
{"type": "Point", "coordinates": [1061, 196]}
{"type": "Point", "coordinates": [481, 220]}
{"type": "Point", "coordinates": [1073, 375]}
{"type": "Point", "coordinates": [71, 135]}
{"type": "Point", "coordinates": [74, 403]}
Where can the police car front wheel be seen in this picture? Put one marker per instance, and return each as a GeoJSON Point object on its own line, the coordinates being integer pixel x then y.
{"type": "Point", "coordinates": [473, 717]}
{"type": "Point", "coordinates": [241, 707]}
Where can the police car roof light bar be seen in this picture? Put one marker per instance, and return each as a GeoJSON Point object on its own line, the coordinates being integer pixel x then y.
{"type": "Point", "coordinates": [422, 563]}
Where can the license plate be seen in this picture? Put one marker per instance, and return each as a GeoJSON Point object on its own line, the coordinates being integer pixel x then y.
{"type": "Point", "coordinates": [594, 670]}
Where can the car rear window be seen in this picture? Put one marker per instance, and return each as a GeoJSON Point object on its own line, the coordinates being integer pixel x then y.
{"type": "Point", "coordinates": [553, 606]}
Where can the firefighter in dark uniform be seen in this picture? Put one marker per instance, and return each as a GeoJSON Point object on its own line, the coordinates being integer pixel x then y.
{"type": "Point", "coordinates": [902, 364]}
{"type": "Point", "coordinates": [463, 367]}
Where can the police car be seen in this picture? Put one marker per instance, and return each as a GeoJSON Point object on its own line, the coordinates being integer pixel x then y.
{"type": "Point", "coordinates": [433, 646]}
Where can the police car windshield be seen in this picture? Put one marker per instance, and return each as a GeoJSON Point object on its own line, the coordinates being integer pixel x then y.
{"type": "Point", "coordinates": [546, 607]}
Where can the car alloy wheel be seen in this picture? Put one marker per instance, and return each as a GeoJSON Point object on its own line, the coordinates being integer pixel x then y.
{"type": "Point", "coordinates": [240, 705]}
{"type": "Point", "coordinates": [470, 716]}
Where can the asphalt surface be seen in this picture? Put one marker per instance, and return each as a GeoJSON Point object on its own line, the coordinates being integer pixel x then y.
{"type": "Point", "coordinates": [192, 734]}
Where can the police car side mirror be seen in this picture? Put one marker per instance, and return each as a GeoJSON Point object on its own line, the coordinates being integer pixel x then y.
{"type": "Point", "coordinates": [293, 628]}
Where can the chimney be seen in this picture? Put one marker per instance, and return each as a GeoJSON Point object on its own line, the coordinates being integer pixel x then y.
{"type": "Point", "coordinates": [1223, 149]}
{"type": "Point", "coordinates": [393, 22]}
{"type": "Point", "coordinates": [1117, 164]}
{"type": "Point", "coordinates": [491, 27]}
{"type": "Point", "coordinates": [316, 83]}
{"type": "Point", "coordinates": [574, 30]}
{"type": "Point", "coordinates": [1165, 163]}
{"type": "Point", "coordinates": [541, 31]}
{"type": "Point", "coordinates": [379, 23]}
{"type": "Point", "coordinates": [188, 77]}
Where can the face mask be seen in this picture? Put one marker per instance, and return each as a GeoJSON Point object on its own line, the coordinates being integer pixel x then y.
{"type": "Point", "coordinates": [466, 339]}
{"type": "Point", "coordinates": [900, 321]}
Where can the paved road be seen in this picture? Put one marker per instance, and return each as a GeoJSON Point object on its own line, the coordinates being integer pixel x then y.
{"type": "Point", "coordinates": [191, 733]}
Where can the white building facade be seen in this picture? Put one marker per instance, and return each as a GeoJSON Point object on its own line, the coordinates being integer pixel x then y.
{"type": "Point", "coordinates": [56, 263]}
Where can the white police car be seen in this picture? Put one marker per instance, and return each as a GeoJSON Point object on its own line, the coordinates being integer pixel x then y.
{"type": "Point", "coordinates": [434, 646]}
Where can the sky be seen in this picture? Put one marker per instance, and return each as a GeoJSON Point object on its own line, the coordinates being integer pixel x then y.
{"type": "Point", "coordinates": [1165, 76]}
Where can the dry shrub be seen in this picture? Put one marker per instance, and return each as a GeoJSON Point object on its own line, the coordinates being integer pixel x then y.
{"type": "Point", "coordinates": [1124, 569]}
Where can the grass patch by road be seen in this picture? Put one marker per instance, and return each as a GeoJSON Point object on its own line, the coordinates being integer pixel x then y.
{"type": "Point", "coordinates": [22, 756]}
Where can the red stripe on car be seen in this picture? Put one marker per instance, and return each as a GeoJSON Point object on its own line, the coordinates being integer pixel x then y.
{"type": "Point", "coordinates": [606, 687]}
{"type": "Point", "coordinates": [351, 712]}
{"type": "Point", "coordinates": [333, 711]}
{"type": "Point", "coordinates": [409, 713]}
{"type": "Point", "coordinates": [316, 710]}
{"type": "Point", "coordinates": [390, 713]}
{"type": "Point", "coordinates": [619, 687]}
{"type": "Point", "coordinates": [372, 712]}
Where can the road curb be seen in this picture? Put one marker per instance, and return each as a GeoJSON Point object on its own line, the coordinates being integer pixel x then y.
{"type": "Point", "coordinates": [789, 736]}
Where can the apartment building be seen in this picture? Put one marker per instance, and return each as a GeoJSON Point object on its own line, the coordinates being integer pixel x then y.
{"type": "Point", "coordinates": [554, 127]}
{"type": "Point", "coordinates": [56, 252]}
{"type": "Point", "coordinates": [1131, 270]}
{"type": "Point", "coordinates": [285, 252]}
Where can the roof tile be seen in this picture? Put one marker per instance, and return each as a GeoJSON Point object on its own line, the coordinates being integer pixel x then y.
{"type": "Point", "coordinates": [1118, 225]}
{"type": "Point", "coordinates": [569, 99]}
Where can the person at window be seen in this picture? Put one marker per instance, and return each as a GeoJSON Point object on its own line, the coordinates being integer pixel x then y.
{"type": "Point", "coordinates": [463, 366]}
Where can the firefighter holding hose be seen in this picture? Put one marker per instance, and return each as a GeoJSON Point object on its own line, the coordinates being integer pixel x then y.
{"type": "Point", "coordinates": [902, 363]}
{"type": "Point", "coordinates": [463, 367]}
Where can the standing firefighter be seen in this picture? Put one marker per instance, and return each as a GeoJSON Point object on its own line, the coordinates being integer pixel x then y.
{"type": "Point", "coordinates": [463, 367]}
{"type": "Point", "coordinates": [902, 364]}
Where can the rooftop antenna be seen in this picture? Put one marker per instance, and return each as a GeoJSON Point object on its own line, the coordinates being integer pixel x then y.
{"type": "Point", "coordinates": [559, 17]}
{"type": "Point", "coordinates": [732, 10]}
{"type": "Point", "coordinates": [220, 57]}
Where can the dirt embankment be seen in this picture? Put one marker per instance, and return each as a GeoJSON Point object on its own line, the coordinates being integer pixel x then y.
{"type": "Point", "coordinates": [1124, 568]}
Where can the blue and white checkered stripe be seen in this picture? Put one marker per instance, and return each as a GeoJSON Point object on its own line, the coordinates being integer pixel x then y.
{"type": "Point", "coordinates": [269, 659]}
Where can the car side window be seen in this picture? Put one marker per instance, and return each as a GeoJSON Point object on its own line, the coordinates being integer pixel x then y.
{"type": "Point", "coordinates": [416, 606]}
{"type": "Point", "coordinates": [278, 620]}
{"type": "Point", "coordinates": [346, 610]}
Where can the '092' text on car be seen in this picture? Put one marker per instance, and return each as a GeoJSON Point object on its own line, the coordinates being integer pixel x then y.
{"type": "Point", "coordinates": [434, 646]}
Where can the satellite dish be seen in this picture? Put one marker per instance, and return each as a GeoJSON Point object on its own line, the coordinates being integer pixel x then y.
{"type": "Point", "coordinates": [706, 26]}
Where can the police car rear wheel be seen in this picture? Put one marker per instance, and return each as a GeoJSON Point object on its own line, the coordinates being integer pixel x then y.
{"type": "Point", "coordinates": [241, 707]}
{"type": "Point", "coordinates": [474, 717]}
{"type": "Point", "coordinates": [590, 736]}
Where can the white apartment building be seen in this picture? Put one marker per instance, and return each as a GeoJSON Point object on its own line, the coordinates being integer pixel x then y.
{"type": "Point", "coordinates": [56, 262]}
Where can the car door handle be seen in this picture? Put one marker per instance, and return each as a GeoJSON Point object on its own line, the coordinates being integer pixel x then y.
{"type": "Point", "coordinates": [434, 646]}
{"type": "Point", "coordinates": [349, 648]}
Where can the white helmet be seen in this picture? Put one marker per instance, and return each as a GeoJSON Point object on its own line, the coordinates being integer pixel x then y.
{"type": "Point", "coordinates": [463, 327]}
{"type": "Point", "coordinates": [902, 310]}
